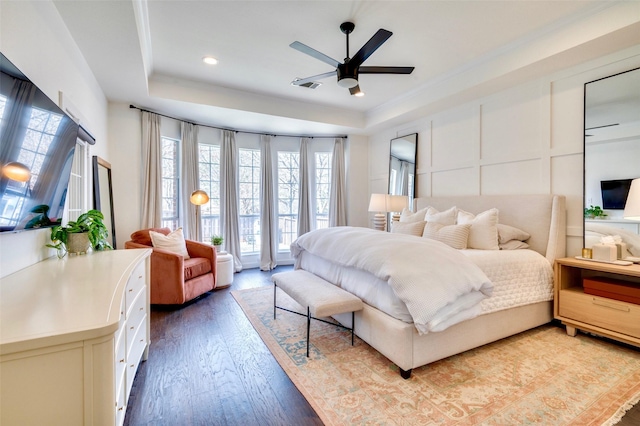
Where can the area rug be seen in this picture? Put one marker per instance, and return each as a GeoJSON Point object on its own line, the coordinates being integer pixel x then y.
{"type": "Point", "coordinates": [541, 376]}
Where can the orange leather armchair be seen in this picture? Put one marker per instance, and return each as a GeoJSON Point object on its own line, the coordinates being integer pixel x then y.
{"type": "Point", "coordinates": [174, 279]}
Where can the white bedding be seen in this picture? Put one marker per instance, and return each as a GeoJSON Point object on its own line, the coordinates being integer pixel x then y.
{"type": "Point", "coordinates": [519, 277]}
{"type": "Point", "coordinates": [438, 285]}
{"type": "Point", "coordinates": [594, 233]}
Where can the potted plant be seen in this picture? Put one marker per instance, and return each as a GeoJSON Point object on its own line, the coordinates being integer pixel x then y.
{"type": "Point", "coordinates": [77, 236]}
{"type": "Point", "coordinates": [594, 212]}
{"type": "Point", "coordinates": [217, 241]}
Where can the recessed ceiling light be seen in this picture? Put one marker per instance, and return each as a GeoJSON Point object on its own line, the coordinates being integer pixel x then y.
{"type": "Point", "coordinates": [209, 60]}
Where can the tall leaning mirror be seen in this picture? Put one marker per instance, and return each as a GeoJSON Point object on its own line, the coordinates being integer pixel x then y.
{"type": "Point", "coordinates": [402, 166]}
{"type": "Point", "coordinates": [103, 195]}
{"type": "Point", "coordinates": [611, 156]}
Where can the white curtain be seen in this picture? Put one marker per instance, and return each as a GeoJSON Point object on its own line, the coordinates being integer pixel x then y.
{"type": "Point", "coordinates": [229, 196]}
{"type": "Point", "coordinates": [304, 198]}
{"type": "Point", "coordinates": [337, 197]}
{"type": "Point", "coordinates": [268, 215]}
{"type": "Point", "coordinates": [151, 171]}
{"type": "Point", "coordinates": [404, 178]}
{"type": "Point", "coordinates": [190, 180]}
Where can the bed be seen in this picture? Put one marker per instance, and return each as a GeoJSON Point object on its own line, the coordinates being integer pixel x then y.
{"type": "Point", "coordinates": [410, 345]}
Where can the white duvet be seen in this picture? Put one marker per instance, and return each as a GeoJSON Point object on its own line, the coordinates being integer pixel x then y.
{"type": "Point", "coordinates": [439, 285]}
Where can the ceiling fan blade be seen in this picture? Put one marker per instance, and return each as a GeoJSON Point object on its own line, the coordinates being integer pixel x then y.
{"type": "Point", "coordinates": [301, 81]}
{"type": "Point", "coordinates": [369, 47]}
{"type": "Point", "coordinates": [385, 70]}
{"type": "Point", "coordinates": [314, 53]}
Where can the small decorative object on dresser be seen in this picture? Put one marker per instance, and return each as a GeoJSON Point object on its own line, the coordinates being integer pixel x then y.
{"type": "Point", "coordinates": [606, 310]}
{"type": "Point", "coordinates": [88, 231]}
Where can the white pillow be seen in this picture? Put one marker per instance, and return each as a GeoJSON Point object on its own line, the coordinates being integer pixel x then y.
{"type": "Point", "coordinates": [452, 235]}
{"type": "Point", "coordinates": [447, 217]}
{"type": "Point", "coordinates": [411, 228]}
{"type": "Point", "coordinates": [507, 233]}
{"type": "Point", "coordinates": [514, 245]}
{"type": "Point", "coordinates": [483, 234]}
{"type": "Point", "coordinates": [174, 242]}
{"type": "Point", "coordinates": [408, 216]}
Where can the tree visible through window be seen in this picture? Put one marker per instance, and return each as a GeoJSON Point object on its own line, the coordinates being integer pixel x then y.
{"type": "Point", "coordinates": [288, 198]}
{"type": "Point", "coordinates": [323, 188]}
{"type": "Point", "coordinates": [170, 183]}
{"type": "Point", "coordinates": [249, 200]}
{"type": "Point", "coordinates": [209, 175]}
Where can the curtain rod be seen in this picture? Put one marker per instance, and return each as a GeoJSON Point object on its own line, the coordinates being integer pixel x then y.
{"type": "Point", "coordinates": [235, 130]}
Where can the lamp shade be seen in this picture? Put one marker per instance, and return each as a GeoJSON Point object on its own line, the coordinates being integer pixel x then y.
{"type": "Point", "coordinates": [398, 202]}
{"type": "Point", "coordinates": [632, 207]}
{"type": "Point", "coordinates": [199, 197]}
{"type": "Point", "coordinates": [378, 203]}
{"type": "Point", "coordinates": [16, 171]}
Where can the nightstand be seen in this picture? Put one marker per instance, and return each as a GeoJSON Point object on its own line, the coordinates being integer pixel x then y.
{"type": "Point", "coordinates": [604, 316]}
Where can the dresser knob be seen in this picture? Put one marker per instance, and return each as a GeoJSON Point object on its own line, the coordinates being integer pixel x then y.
{"type": "Point", "coordinates": [130, 290]}
{"type": "Point", "coordinates": [122, 360]}
{"type": "Point", "coordinates": [131, 328]}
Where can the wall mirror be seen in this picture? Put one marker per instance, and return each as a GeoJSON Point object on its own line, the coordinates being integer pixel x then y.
{"type": "Point", "coordinates": [402, 166]}
{"type": "Point", "coordinates": [103, 195]}
{"type": "Point", "coordinates": [611, 152]}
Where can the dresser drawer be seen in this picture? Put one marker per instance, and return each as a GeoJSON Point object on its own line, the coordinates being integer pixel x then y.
{"type": "Point", "coordinates": [139, 343]}
{"type": "Point", "coordinates": [136, 320]}
{"type": "Point", "coordinates": [121, 403]}
{"type": "Point", "coordinates": [613, 315]}
{"type": "Point", "coordinates": [135, 285]}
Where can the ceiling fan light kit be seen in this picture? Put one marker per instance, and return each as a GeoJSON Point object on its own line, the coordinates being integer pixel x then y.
{"type": "Point", "coordinates": [347, 72]}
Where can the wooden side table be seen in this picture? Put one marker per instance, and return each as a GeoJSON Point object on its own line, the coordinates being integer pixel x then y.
{"type": "Point", "coordinates": [604, 316]}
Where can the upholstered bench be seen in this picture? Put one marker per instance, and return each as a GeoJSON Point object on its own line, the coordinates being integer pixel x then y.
{"type": "Point", "coordinates": [320, 298]}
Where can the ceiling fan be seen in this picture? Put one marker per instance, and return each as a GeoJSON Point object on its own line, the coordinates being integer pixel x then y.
{"type": "Point", "coordinates": [348, 71]}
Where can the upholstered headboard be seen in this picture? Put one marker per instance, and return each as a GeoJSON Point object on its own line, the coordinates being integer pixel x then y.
{"type": "Point", "coordinates": [542, 216]}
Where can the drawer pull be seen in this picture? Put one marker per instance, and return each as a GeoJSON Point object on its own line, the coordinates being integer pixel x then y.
{"type": "Point", "coordinates": [616, 306]}
{"type": "Point", "coordinates": [130, 290]}
{"type": "Point", "coordinates": [131, 328]}
{"type": "Point", "coordinates": [122, 360]}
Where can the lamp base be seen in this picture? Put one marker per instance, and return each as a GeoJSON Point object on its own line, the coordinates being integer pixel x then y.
{"type": "Point", "coordinates": [380, 222]}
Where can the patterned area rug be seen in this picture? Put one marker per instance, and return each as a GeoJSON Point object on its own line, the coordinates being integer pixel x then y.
{"type": "Point", "coordinates": [541, 377]}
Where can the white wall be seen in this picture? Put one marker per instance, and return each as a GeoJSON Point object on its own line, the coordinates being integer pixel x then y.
{"type": "Point", "coordinates": [35, 39]}
{"type": "Point", "coordinates": [526, 139]}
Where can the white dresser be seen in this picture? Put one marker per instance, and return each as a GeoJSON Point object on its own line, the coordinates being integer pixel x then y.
{"type": "Point", "coordinates": [72, 333]}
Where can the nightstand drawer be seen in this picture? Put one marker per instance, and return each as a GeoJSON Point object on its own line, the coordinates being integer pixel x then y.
{"type": "Point", "coordinates": [610, 314]}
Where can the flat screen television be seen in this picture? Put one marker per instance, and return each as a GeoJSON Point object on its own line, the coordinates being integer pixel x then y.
{"type": "Point", "coordinates": [614, 193]}
{"type": "Point", "coordinates": [36, 153]}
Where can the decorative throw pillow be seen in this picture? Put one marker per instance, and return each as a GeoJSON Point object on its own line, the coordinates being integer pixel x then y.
{"type": "Point", "coordinates": [507, 233]}
{"type": "Point", "coordinates": [447, 217]}
{"type": "Point", "coordinates": [514, 245]}
{"type": "Point", "coordinates": [455, 236]}
{"type": "Point", "coordinates": [174, 242]}
{"type": "Point", "coordinates": [408, 216]}
{"type": "Point", "coordinates": [483, 234]}
{"type": "Point", "coordinates": [411, 228]}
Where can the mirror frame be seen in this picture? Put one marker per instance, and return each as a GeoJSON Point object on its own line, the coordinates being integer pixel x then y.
{"type": "Point", "coordinates": [103, 194]}
{"type": "Point", "coordinates": [585, 202]}
{"type": "Point", "coordinates": [411, 138]}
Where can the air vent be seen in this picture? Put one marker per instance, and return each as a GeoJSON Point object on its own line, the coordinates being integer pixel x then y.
{"type": "Point", "coordinates": [309, 85]}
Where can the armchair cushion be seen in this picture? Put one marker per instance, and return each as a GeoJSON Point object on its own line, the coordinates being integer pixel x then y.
{"type": "Point", "coordinates": [195, 267]}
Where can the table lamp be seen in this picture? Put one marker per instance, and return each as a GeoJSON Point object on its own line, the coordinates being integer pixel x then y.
{"type": "Point", "coordinates": [632, 206]}
{"type": "Point", "coordinates": [378, 204]}
{"type": "Point", "coordinates": [397, 203]}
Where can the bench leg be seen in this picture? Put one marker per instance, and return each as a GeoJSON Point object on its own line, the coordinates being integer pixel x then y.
{"type": "Point", "coordinates": [308, 328]}
{"type": "Point", "coordinates": [275, 287]}
{"type": "Point", "coordinates": [353, 325]}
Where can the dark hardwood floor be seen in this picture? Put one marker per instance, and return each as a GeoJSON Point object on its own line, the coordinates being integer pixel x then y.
{"type": "Point", "coordinates": [208, 366]}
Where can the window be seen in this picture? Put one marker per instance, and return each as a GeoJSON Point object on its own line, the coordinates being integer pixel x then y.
{"type": "Point", "coordinates": [249, 200]}
{"type": "Point", "coordinates": [323, 188]}
{"type": "Point", "coordinates": [209, 175]}
{"type": "Point", "coordinates": [288, 198]}
{"type": "Point", "coordinates": [77, 200]}
{"type": "Point", "coordinates": [170, 183]}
